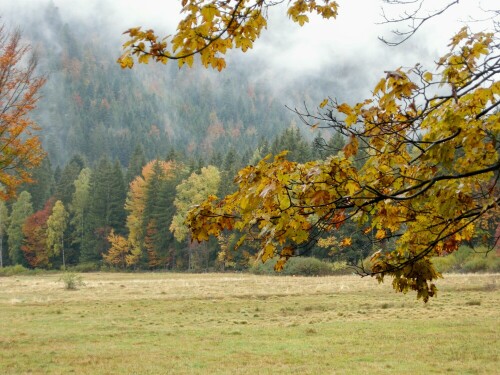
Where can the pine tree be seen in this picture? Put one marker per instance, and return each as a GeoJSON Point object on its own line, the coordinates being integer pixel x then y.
{"type": "Point", "coordinates": [43, 187]}
{"type": "Point", "coordinates": [95, 238]}
{"type": "Point", "coordinates": [137, 161]}
{"type": "Point", "coordinates": [65, 186]}
{"type": "Point", "coordinates": [4, 224]}
{"type": "Point", "coordinates": [117, 215]}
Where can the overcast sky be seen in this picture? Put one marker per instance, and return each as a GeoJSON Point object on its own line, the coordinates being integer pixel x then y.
{"type": "Point", "coordinates": [348, 45]}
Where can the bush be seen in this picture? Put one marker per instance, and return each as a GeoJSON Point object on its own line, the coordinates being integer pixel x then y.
{"type": "Point", "coordinates": [307, 267]}
{"type": "Point", "coordinates": [475, 264]}
{"type": "Point", "coordinates": [301, 266]}
{"type": "Point", "coordinates": [259, 268]}
{"type": "Point", "coordinates": [85, 267]}
{"type": "Point", "coordinates": [466, 259]}
{"type": "Point", "coordinates": [71, 280]}
{"type": "Point", "coordinates": [13, 270]}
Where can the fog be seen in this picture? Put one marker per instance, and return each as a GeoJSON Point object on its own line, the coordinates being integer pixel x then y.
{"type": "Point", "coordinates": [344, 55]}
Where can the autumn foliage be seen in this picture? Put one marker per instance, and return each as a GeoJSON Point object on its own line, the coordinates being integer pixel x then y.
{"type": "Point", "coordinates": [35, 247]}
{"type": "Point", "coordinates": [427, 181]}
{"type": "Point", "coordinates": [20, 147]}
{"type": "Point", "coordinates": [210, 28]}
{"type": "Point", "coordinates": [419, 172]}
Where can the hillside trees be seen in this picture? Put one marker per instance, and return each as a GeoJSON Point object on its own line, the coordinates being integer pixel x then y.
{"type": "Point", "coordinates": [420, 168]}
{"type": "Point", "coordinates": [20, 147]}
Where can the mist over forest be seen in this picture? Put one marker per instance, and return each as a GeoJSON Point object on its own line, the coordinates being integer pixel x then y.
{"type": "Point", "coordinates": [92, 108]}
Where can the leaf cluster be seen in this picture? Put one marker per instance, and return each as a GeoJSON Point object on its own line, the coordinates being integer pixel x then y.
{"type": "Point", "coordinates": [212, 27]}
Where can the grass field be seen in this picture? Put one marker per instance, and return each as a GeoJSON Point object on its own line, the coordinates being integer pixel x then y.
{"type": "Point", "coordinates": [245, 324]}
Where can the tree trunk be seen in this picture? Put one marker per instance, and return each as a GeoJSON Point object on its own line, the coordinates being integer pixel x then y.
{"type": "Point", "coordinates": [62, 249]}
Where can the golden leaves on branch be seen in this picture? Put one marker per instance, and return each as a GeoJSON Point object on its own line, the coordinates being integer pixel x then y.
{"type": "Point", "coordinates": [426, 180]}
{"type": "Point", "coordinates": [210, 28]}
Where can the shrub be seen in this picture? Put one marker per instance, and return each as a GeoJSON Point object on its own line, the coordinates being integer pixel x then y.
{"type": "Point", "coordinates": [85, 267]}
{"type": "Point", "coordinates": [301, 266]}
{"type": "Point", "coordinates": [466, 259]}
{"type": "Point", "coordinates": [259, 268]}
{"type": "Point", "coordinates": [71, 280]}
{"type": "Point", "coordinates": [307, 267]}
{"type": "Point", "coordinates": [475, 264]}
{"type": "Point", "coordinates": [13, 270]}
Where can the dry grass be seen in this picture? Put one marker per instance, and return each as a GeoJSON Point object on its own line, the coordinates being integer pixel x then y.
{"type": "Point", "coordinates": [227, 324]}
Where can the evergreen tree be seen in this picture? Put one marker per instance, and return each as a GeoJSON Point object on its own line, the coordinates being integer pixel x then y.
{"type": "Point", "coordinates": [291, 140]}
{"type": "Point", "coordinates": [230, 168]}
{"type": "Point", "coordinates": [43, 187]}
{"type": "Point", "coordinates": [137, 161]}
{"type": "Point", "coordinates": [97, 231]}
{"type": "Point", "coordinates": [65, 186]}
{"type": "Point", "coordinates": [4, 224]}
{"type": "Point", "coordinates": [117, 215]}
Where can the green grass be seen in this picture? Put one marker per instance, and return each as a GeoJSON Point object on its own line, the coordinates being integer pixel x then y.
{"type": "Point", "coordinates": [245, 324]}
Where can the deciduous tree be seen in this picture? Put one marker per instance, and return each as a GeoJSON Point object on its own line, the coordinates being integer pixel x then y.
{"type": "Point", "coordinates": [119, 251]}
{"type": "Point", "coordinates": [428, 179]}
{"type": "Point", "coordinates": [21, 209]}
{"type": "Point", "coordinates": [191, 192]}
{"type": "Point", "coordinates": [56, 225]}
{"type": "Point", "coordinates": [20, 147]}
{"type": "Point", "coordinates": [419, 169]}
{"type": "Point", "coordinates": [34, 245]}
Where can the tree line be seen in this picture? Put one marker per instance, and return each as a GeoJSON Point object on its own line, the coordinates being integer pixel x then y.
{"type": "Point", "coordinates": [133, 218]}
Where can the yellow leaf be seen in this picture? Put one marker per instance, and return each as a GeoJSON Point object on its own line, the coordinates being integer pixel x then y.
{"type": "Point", "coordinates": [302, 19]}
{"type": "Point", "coordinates": [280, 264]}
{"type": "Point", "coordinates": [344, 108]}
{"type": "Point", "coordinates": [428, 76]}
{"type": "Point", "coordinates": [351, 148]}
{"type": "Point", "coordinates": [380, 87]}
{"type": "Point", "coordinates": [346, 242]}
{"type": "Point", "coordinates": [287, 252]}
{"type": "Point", "coordinates": [380, 234]}
{"type": "Point", "coordinates": [268, 251]}
{"type": "Point", "coordinates": [324, 103]}
{"type": "Point", "coordinates": [143, 59]}
{"type": "Point", "coordinates": [209, 12]}
{"type": "Point", "coordinates": [351, 187]}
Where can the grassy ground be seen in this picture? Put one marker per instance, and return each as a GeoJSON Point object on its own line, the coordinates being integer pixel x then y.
{"type": "Point", "coordinates": [245, 324]}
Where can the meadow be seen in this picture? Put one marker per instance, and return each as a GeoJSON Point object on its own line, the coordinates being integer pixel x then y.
{"type": "Point", "coordinates": [157, 323]}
